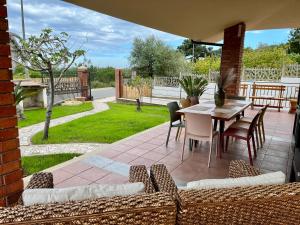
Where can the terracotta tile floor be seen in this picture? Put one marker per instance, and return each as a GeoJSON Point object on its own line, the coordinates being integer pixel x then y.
{"type": "Point", "coordinates": [112, 165]}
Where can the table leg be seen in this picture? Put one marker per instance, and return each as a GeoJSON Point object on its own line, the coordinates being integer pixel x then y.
{"type": "Point", "coordinates": [221, 131]}
{"type": "Point", "coordinates": [215, 124]}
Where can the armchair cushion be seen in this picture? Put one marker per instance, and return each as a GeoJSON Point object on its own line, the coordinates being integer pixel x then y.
{"type": "Point", "coordinates": [46, 196]}
{"type": "Point", "coordinates": [264, 179]}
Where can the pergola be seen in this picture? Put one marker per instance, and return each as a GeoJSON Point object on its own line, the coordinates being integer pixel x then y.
{"type": "Point", "coordinates": [200, 20]}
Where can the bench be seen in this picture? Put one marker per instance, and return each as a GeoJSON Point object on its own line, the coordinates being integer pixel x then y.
{"type": "Point", "coordinates": [268, 94]}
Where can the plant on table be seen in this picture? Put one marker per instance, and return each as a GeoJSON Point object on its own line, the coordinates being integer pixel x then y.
{"type": "Point", "coordinates": [194, 87]}
{"type": "Point", "coordinates": [222, 82]}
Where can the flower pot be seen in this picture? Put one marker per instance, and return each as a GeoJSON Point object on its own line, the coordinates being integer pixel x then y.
{"type": "Point", "coordinates": [220, 98]}
{"type": "Point", "coordinates": [194, 100]}
{"type": "Point", "coordinates": [185, 103]}
{"type": "Point", "coordinates": [293, 105]}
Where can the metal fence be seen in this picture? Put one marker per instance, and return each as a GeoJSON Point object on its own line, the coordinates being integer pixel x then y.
{"type": "Point", "coordinates": [66, 85]}
{"type": "Point", "coordinates": [168, 87]}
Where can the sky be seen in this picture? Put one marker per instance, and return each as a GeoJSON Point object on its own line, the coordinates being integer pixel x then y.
{"type": "Point", "coordinates": [107, 40]}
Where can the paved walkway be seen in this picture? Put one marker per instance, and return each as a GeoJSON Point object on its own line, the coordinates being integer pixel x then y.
{"type": "Point", "coordinates": [148, 147]}
{"type": "Point", "coordinates": [26, 133]}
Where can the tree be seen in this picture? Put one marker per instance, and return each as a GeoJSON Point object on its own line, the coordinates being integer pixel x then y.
{"type": "Point", "coordinates": [267, 56]}
{"type": "Point", "coordinates": [152, 56]}
{"type": "Point", "coordinates": [210, 63]}
{"type": "Point", "coordinates": [140, 83]}
{"type": "Point", "coordinates": [200, 51]}
{"type": "Point", "coordinates": [45, 53]}
{"type": "Point", "coordinates": [187, 49]}
{"type": "Point", "coordinates": [294, 41]}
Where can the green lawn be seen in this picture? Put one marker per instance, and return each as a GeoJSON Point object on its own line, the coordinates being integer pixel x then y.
{"type": "Point", "coordinates": [34, 116]}
{"type": "Point", "coordinates": [120, 121]}
{"type": "Point", "coordinates": [33, 164]}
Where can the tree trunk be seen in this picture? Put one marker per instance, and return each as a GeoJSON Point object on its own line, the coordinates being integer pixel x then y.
{"type": "Point", "coordinates": [49, 107]}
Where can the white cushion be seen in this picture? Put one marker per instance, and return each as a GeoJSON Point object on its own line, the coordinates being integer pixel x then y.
{"type": "Point", "coordinates": [264, 179]}
{"type": "Point", "coordinates": [47, 195]}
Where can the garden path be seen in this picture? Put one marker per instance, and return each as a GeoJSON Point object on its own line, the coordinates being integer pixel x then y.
{"type": "Point", "coordinates": [26, 133]}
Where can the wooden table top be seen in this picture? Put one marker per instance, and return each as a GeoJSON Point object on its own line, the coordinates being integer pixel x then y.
{"type": "Point", "coordinates": [228, 111]}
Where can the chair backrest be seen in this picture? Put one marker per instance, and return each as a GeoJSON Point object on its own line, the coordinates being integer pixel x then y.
{"type": "Point", "coordinates": [173, 107]}
{"type": "Point", "coordinates": [198, 125]}
{"type": "Point", "coordinates": [240, 205]}
{"type": "Point", "coordinates": [254, 122]}
{"type": "Point", "coordinates": [236, 97]}
{"type": "Point", "coordinates": [263, 111]}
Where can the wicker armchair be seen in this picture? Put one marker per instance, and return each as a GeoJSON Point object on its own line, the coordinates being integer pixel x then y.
{"type": "Point", "coordinates": [149, 208]}
{"type": "Point", "coordinates": [272, 204]}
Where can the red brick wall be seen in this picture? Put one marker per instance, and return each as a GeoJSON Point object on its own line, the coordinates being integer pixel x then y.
{"type": "Point", "coordinates": [83, 75]}
{"type": "Point", "coordinates": [118, 83]}
{"type": "Point", "coordinates": [11, 183]}
{"type": "Point", "coordinates": [232, 54]}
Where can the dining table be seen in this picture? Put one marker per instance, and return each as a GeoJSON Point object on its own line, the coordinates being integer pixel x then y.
{"type": "Point", "coordinates": [232, 109]}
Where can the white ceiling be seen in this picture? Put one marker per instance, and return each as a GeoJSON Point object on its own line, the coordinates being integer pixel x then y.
{"type": "Point", "coordinates": [201, 20]}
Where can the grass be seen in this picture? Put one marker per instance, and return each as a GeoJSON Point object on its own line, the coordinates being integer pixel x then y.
{"type": "Point", "coordinates": [33, 164]}
{"type": "Point", "coordinates": [120, 121]}
{"type": "Point", "coordinates": [34, 116]}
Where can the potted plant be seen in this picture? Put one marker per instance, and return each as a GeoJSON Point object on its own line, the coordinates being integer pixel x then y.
{"type": "Point", "coordinates": [194, 87]}
{"type": "Point", "coordinates": [21, 93]}
{"type": "Point", "coordinates": [222, 82]}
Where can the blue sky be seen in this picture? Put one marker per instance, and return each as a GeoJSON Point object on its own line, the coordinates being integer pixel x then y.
{"type": "Point", "coordinates": [106, 39]}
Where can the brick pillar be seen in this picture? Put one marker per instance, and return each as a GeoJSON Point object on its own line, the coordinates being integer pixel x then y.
{"type": "Point", "coordinates": [11, 182]}
{"type": "Point", "coordinates": [118, 83]}
{"type": "Point", "coordinates": [232, 55]}
{"type": "Point", "coordinates": [83, 75]}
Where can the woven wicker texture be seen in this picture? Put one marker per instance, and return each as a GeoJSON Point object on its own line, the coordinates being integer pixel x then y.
{"type": "Point", "coordinates": [39, 180]}
{"type": "Point", "coordinates": [272, 204]}
{"type": "Point", "coordinates": [156, 208]}
{"type": "Point", "coordinates": [162, 180]}
{"type": "Point", "coordinates": [239, 168]}
{"type": "Point", "coordinates": [140, 174]}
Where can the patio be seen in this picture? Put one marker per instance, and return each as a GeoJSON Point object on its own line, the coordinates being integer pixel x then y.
{"type": "Point", "coordinates": [112, 164]}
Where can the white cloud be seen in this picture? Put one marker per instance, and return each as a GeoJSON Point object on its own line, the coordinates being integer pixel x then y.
{"type": "Point", "coordinates": [101, 35]}
{"type": "Point", "coordinates": [255, 31]}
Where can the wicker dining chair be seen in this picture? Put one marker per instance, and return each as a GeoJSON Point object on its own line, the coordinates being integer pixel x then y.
{"type": "Point", "coordinates": [175, 120]}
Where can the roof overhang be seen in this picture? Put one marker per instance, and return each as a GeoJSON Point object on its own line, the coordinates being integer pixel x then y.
{"type": "Point", "coordinates": [200, 20]}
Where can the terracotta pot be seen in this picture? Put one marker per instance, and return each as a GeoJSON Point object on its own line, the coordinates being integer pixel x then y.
{"type": "Point", "coordinates": [293, 105]}
{"type": "Point", "coordinates": [220, 98]}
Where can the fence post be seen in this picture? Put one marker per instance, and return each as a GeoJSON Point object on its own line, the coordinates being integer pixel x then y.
{"type": "Point", "coordinates": [83, 76]}
{"type": "Point", "coordinates": [118, 83]}
{"type": "Point", "coordinates": [282, 71]}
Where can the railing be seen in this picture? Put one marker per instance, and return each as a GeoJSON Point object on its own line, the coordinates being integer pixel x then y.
{"type": "Point", "coordinates": [66, 85]}
{"type": "Point", "coordinates": [168, 87]}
